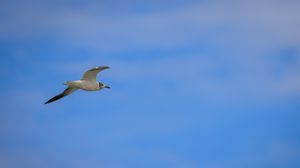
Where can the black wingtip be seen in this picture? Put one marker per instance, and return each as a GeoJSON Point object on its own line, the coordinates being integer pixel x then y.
{"type": "Point", "coordinates": [55, 98]}
{"type": "Point", "coordinates": [49, 101]}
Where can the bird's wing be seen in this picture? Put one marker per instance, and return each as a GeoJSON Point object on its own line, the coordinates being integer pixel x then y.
{"type": "Point", "coordinates": [92, 73]}
{"type": "Point", "coordinates": [66, 92]}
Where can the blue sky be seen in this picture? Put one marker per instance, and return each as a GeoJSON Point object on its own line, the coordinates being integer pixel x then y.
{"type": "Point", "coordinates": [212, 84]}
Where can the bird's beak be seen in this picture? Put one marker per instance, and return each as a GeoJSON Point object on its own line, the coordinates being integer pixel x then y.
{"type": "Point", "coordinates": [107, 87]}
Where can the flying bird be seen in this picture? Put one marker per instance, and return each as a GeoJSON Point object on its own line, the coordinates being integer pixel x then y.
{"type": "Point", "coordinates": [87, 82]}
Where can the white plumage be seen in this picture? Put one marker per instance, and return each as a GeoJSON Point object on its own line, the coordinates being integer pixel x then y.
{"type": "Point", "coordinates": [88, 82]}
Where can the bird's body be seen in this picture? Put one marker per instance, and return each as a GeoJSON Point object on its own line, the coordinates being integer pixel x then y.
{"type": "Point", "coordinates": [87, 82]}
{"type": "Point", "coordinates": [84, 85]}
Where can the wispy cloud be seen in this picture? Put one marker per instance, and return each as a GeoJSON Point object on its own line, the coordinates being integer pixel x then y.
{"type": "Point", "coordinates": [187, 79]}
{"type": "Point", "coordinates": [260, 24]}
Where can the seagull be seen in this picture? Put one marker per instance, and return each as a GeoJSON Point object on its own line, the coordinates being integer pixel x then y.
{"type": "Point", "coordinates": [87, 82]}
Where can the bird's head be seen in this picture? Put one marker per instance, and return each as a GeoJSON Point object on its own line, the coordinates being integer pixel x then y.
{"type": "Point", "coordinates": [101, 86]}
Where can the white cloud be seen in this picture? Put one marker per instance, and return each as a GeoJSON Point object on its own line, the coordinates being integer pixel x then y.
{"type": "Point", "coordinates": [252, 25]}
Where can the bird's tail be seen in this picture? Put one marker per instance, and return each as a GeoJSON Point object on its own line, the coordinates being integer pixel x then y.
{"type": "Point", "coordinates": [67, 83]}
